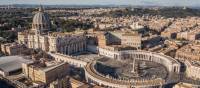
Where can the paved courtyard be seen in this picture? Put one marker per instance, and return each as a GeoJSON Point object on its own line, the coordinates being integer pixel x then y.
{"type": "Point", "coordinates": [123, 70]}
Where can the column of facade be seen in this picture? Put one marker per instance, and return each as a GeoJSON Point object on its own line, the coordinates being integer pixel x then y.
{"type": "Point", "coordinates": [147, 56]}
{"type": "Point", "coordinates": [178, 70]}
{"type": "Point", "coordinates": [64, 49]}
{"type": "Point", "coordinates": [61, 49]}
{"type": "Point", "coordinates": [86, 75]}
{"type": "Point", "coordinates": [155, 59]}
{"type": "Point", "coordinates": [135, 55]}
{"type": "Point", "coordinates": [138, 55]}
{"type": "Point", "coordinates": [160, 86]}
{"type": "Point", "coordinates": [72, 47]}
{"type": "Point", "coordinates": [69, 48]}
{"type": "Point", "coordinates": [158, 60]}
{"type": "Point", "coordinates": [82, 46]}
{"type": "Point", "coordinates": [132, 55]}
{"type": "Point", "coordinates": [143, 56]}
{"type": "Point", "coordinates": [174, 68]}
{"type": "Point", "coordinates": [77, 47]}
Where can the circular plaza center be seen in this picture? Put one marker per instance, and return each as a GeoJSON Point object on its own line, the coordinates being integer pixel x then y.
{"type": "Point", "coordinates": [131, 69]}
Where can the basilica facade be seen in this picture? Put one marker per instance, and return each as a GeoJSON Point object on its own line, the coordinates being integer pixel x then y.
{"type": "Point", "coordinates": [40, 37]}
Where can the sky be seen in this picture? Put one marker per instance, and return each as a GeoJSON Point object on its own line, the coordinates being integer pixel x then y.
{"type": "Point", "coordinates": [106, 2]}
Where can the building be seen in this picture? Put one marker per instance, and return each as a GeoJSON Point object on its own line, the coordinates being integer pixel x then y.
{"type": "Point", "coordinates": [40, 37]}
{"type": "Point", "coordinates": [181, 25]}
{"type": "Point", "coordinates": [132, 39]}
{"type": "Point", "coordinates": [61, 83]}
{"type": "Point", "coordinates": [69, 59]}
{"type": "Point", "coordinates": [136, 26]}
{"type": "Point", "coordinates": [78, 84]}
{"type": "Point", "coordinates": [189, 52]}
{"type": "Point", "coordinates": [11, 64]}
{"type": "Point", "coordinates": [124, 38]}
{"type": "Point", "coordinates": [191, 35]}
{"type": "Point", "coordinates": [12, 48]}
{"type": "Point", "coordinates": [67, 43]}
{"type": "Point", "coordinates": [109, 51]}
{"type": "Point", "coordinates": [152, 41]}
{"type": "Point", "coordinates": [45, 71]}
{"type": "Point", "coordinates": [193, 69]}
{"type": "Point", "coordinates": [185, 85]}
{"type": "Point", "coordinates": [167, 34]}
{"type": "Point", "coordinates": [103, 39]}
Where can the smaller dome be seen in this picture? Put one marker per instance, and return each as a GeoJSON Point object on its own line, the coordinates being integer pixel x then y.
{"type": "Point", "coordinates": [41, 20]}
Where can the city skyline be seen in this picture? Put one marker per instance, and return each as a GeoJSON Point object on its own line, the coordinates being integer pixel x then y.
{"type": "Point", "coordinates": [106, 2]}
{"type": "Point", "coordinates": [100, 44]}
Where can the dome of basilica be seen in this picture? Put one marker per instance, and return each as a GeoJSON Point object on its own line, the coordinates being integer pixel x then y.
{"type": "Point", "coordinates": [41, 20]}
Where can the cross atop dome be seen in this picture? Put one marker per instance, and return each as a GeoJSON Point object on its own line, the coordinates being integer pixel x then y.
{"type": "Point", "coordinates": [41, 9]}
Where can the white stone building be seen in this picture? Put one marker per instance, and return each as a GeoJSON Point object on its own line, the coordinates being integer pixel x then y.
{"type": "Point", "coordinates": [40, 37]}
{"type": "Point", "coordinates": [193, 69]}
{"type": "Point", "coordinates": [131, 39]}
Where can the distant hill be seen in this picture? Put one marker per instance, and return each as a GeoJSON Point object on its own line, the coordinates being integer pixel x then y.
{"type": "Point", "coordinates": [86, 6]}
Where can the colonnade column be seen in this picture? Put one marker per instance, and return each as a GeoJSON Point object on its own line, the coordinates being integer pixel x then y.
{"type": "Point", "coordinates": [69, 49]}
{"type": "Point", "coordinates": [75, 47]}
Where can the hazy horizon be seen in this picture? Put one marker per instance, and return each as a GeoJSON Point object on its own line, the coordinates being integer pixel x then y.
{"type": "Point", "coordinates": [106, 2]}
